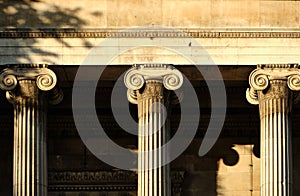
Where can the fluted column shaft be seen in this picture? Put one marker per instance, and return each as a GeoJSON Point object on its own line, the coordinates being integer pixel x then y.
{"type": "Point", "coordinates": [272, 88]}
{"type": "Point", "coordinates": [276, 149]}
{"type": "Point", "coordinates": [30, 155]}
{"type": "Point", "coordinates": [147, 86]}
{"type": "Point", "coordinates": [153, 133]}
{"type": "Point", "coordinates": [26, 86]}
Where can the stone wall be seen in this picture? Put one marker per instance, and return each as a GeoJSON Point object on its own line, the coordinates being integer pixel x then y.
{"type": "Point", "coordinates": [128, 13]}
{"type": "Point", "coordinates": [230, 31]}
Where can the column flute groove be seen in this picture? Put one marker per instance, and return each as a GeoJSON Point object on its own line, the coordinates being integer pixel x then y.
{"type": "Point", "coordinates": [148, 87]}
{"type": "Point", "coordinates": [273, 88]}
{"type": "Point", "coordinates": [26, 86]}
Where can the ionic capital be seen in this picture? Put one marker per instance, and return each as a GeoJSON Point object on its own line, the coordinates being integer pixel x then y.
{"type": "Point", "coordinates": [44, 77]}
{"type": "Point", "coordinates": [29, 74]}
{"type": "Point", "coordinates": [260, 78]}
{"type": "Point", "coordinates": [136, 77]}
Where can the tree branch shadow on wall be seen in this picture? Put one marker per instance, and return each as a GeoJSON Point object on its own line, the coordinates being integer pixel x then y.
{"type": "Point", "coordinates": [23, 17]}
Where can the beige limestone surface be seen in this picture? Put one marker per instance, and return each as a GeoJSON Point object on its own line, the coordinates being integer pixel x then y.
{"type": "Point", "coordinates": [203, 16]}
{"type": "Point", "coordinates": [128, 13]}
{"type": "Point", "coordinates": [221, 51]}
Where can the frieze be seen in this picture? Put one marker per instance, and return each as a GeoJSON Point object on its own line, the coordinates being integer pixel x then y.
{"type": "Point", "coordinates": [146, 33]}
{"type": "Point", "coordinates": [118, 180]}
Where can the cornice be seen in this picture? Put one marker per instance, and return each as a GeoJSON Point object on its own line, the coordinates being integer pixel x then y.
{"type": "Point", "coordinates": [146, 33]}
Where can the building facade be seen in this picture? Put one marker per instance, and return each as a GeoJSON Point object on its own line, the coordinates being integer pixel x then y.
{"type": "Point", "coordinates": [224, 72]}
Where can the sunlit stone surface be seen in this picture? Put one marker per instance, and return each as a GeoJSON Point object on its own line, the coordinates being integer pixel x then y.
{"type": "Point", "coordinates": [152, 100]}
{"type": "Point", "coordinates": [26, 86]}
{"type": "Point", "coordinates": [273, 87]}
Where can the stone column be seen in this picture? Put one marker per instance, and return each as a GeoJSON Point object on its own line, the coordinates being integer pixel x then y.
{"type": "Point", "coordinates": [26, 86]}
{"type": "Point", "coordinates": [272, 87]}
{"type": "Point", "coordinates": [148, 87]}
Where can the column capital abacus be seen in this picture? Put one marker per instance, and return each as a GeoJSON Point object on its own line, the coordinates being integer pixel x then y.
{"type": "Point", "coordinates": [265, 74]}
{"type": "Point", "coordinates": [135, 78]}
